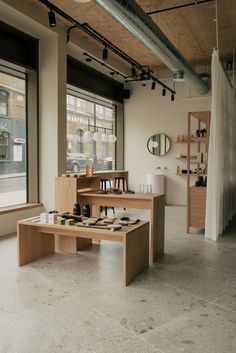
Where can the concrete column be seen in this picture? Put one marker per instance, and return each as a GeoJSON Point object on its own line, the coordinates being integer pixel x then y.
{"type": "Point", "coordinates": [52, 115]}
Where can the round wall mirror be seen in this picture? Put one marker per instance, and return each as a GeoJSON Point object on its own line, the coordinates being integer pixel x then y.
{"type": "Point", "coordinates": [158, 144]}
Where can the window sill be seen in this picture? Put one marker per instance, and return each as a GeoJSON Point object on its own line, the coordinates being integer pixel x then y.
{"type": "Point", "coordinates": [17, 208]}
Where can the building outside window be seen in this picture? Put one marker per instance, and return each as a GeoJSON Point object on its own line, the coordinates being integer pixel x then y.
{"type": "Point", "coordinates": [13, 190]}
{"type": "Point", "coordinates": [87, 115]}
{"type": "Point", "coordinates": [3, 101]}
{"type": "Point", "coordinates": [4, 145]}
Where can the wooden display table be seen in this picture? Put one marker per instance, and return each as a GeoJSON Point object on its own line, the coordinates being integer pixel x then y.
{"type": "Point", "coordinates": [36, 240]}
{"type": "Point", "coordinates": [71, 190]}
{"type": "Point", "coordinates": [154, 202]}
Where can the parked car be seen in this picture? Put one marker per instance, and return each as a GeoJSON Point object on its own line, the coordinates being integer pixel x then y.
{"type": "Point", "coordinates": [104, 163]}
{"type": "Point", "coordinates": [76, 162]}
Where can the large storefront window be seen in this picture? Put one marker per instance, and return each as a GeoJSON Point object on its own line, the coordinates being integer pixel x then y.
{"type": "Point", "coordinates": [90, 134]}
{"type": "Point", "coordinates": [12, 140]}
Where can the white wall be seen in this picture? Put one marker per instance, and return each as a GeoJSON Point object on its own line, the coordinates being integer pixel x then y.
{"type": "Point", "coordinates": [8, 221]}
{"type": "Point", "coordinates": [147, 113]}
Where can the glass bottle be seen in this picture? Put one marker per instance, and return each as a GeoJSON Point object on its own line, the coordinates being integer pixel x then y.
{"type": "Point", "coordinates": [178, 170]}
{"type": "Point", "coordinates": [86, 211]}
{"type": "Point", "coordinates": [76, 209]}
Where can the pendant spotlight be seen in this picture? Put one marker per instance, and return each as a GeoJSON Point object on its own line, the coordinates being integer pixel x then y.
{"type": "Point", "coordinates": [52, 18]}
{"type": "Point", "coordinates": [163, 92]}
{"type": "Point", "coordinates": [172, 97]}
{"type": "Point", "coordinates": [153, 85]}
{"type": "Point", "coordinates": [133, 71]}
{"type": "Point", "coordinates": [105, 53]}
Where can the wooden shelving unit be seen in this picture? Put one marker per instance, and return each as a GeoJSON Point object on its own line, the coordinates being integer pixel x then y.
{"type": "Point", "coordinates": [196, 195]}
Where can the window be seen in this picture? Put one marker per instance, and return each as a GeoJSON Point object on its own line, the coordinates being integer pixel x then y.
{"type": "Point", "coordinates": [4, 145]}
{"type": "Point", "coordinates": [12, 140]}
{"type": "Point", "coordinates": [81, 104]}
{"type": "Point", "coordinates": [89, 115]}
{"type": "Point", "coordinates": [3, 102]}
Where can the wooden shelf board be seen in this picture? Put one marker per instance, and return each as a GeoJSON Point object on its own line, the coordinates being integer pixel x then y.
{"type": "Point", "coordinates": [185, 158]}
{"type": "Point", "coordinates": [199, 139]}
{"type": "Point", "coordinates": [191, 174]}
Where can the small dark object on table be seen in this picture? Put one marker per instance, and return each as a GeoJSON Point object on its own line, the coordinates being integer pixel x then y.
{"type": "Point", "coordinates": [102, 192]}
{"type": "Point", "coordinates": [130, 192]}
{"type": "Point", "coordinates": [117, 191]}
{"type": "Point", "coordinates": [124, 218]}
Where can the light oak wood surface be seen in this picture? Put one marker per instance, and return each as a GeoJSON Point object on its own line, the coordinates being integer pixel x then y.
{"type": "Point", "coordinates": [197, 200]}
{"type": "Point", "coordinates": [107, 174]}
{"type": "Point", "coordinates": [196, 196]}
{"type": "Point", "coordinates": [36, 240]}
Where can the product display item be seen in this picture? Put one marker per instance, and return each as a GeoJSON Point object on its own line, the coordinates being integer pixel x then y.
{"type": "Point", "coordinates": [130, 192]}
{"type": "Point", "coordinates": [113, 226]}
{"type": "Point", "coordinates": [86, 211]}
{"type": "Point", "coordinates": [117, 191]}
{"type": "Point", "coordinates": [76, 209]}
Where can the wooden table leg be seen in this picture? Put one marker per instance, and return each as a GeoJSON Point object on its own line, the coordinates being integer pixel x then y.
{"type": "Point", "coordinates": [70, 245]}
{"type": "Point", "coordinates": [33, 245]}
{"type": "Point", "coordinates": [157, 228]}
{"type": "Point", "coordinates": [135, 253]}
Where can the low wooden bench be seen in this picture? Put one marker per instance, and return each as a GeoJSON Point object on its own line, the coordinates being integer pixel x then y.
{"type": "Point", "coordinates": [36, 240]}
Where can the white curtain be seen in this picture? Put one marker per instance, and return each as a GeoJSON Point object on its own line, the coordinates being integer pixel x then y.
{"type": "Point", "coordinates": [221, 188]}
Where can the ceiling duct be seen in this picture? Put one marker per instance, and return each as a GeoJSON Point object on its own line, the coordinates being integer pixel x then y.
{"type": "Point", "coordinates": [133, 18]}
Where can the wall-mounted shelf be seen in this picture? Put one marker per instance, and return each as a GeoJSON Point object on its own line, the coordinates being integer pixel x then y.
{"type": "Point", "coordinates": [199, 139]}
{"type": "Point", "coordinates": [192, 174]}
{"type": "Point", "coordinates": [191, 161]}
{"type": "Point", "coordinates": [195, 140]}
{"type": "Point", "coordinates": [185, 158]}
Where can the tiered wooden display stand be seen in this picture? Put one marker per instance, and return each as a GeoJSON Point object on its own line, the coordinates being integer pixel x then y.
{"type": "Point", "coordinates": [196, 195]}
{"type": "Point", "coordinates": [82, 190]}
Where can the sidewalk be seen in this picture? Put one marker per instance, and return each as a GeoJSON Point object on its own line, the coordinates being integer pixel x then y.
{"type": "Point", "coordinates": [13, 175]}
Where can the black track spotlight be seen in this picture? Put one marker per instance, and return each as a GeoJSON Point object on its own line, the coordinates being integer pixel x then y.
{"type": "Point", "coordinates": [163, 91]}
{"type": "Point", "coordinates": [112, 73]}
{"type": "Point", "coordinates": [133, 71]}
{"type": "Point", "coordinates": [105, 53]}
{"type": "Point", "coordinates": [88, 60]}
{"type": "Point", "coordinates": [52, 18]}
{"type": "Point", "coordinates": [153, 85]}
{"type": "Point", "coordinates": [172, 97]}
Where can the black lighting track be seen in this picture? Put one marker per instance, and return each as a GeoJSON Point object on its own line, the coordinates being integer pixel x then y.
{"type": "Point", "coordinates": [101, 39]}
{"type": "Point", "coordinates": [179, 6]}
{"type": "Point", "coordinates": [105, 65]}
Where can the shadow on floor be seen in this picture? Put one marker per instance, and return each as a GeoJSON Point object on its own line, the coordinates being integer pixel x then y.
{"type": "Point", "coordinates": [230, 231]}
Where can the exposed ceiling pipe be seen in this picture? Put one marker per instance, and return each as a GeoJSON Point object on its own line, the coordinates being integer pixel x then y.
{"type": "Point", "coordinates": [133, 18]}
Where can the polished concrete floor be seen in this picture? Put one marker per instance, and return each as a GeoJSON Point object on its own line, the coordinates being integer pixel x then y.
{"type": "Point", "coordinates": [186, 302]}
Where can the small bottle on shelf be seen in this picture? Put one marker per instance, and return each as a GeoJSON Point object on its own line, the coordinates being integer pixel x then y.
{"type": "Point", "coordinates": [178, 171]}
{"type": "Point", "coordinates": [76, 209]}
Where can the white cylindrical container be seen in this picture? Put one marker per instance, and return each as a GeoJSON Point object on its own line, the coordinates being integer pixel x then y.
{"type": "Point", "coordinates": [52, 218]}
{"type": "Point", "coordinates": [43, 217]}
{"type": "Point", "coordinates": [158, 183]}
